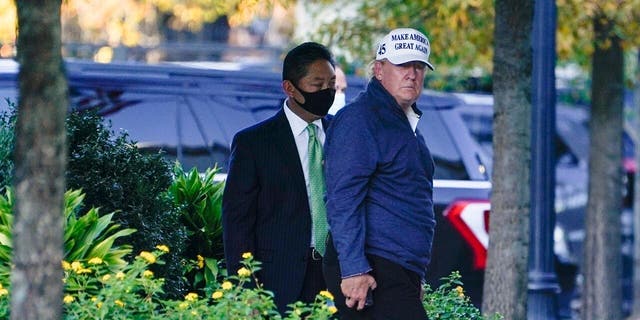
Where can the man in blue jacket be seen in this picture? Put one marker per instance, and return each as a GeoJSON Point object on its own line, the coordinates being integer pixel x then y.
{"type": "Point", "coordinates": [379, 176]}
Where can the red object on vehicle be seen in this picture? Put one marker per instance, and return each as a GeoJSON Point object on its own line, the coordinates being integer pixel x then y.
{"type": "Point", "coordinates": [471, 219]}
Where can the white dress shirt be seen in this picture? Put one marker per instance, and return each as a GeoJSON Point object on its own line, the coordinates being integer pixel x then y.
{"type": "Point", "coordinates": [301, 135]}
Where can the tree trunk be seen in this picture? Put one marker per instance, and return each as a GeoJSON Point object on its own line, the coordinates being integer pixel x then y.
{"type": "Point", "coordinates": [602, 264]}
{"type": "Point", "coordinates": [505, 287]}
{"type": "Point", "coordinates": [40, 159]}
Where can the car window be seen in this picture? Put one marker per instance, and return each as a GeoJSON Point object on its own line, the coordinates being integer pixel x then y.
{"type": "Point", "coordinates": [446, 155]}
{"type": "Point", "coordinates": [479, 120]}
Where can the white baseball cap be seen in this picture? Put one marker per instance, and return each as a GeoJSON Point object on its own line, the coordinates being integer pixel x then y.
{"type": "Point", "coordinates": [403, 45]}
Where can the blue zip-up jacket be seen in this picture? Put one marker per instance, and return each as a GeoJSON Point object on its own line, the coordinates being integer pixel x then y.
{"type": "Point", "coordinates": [379, 177]}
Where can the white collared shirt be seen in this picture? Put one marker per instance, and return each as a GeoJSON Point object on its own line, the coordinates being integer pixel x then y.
{"type": "Point", "coordinates": [413, 118]}
{"type": "Point", "coordinates": [301, 135]}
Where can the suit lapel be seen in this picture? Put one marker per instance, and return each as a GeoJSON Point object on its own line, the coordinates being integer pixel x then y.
{"type": "Point", "coordinates": [286, 146]}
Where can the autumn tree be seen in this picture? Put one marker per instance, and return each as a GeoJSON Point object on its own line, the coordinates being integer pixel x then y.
{"type": "Point", "coordinates": [603, 263]}
{"type": "Point", "coordinates": [507, 262]}
{"type": "Point", "coordinates": [113, 23]}
{"type": "Point", "coordinates": [461, 31]}
{"type": "Point", "coordinates": [40, 159]}
{"type": "Point", "coordinates": [596, 34]}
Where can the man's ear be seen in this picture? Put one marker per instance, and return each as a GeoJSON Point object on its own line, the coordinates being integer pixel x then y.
{"type": "Point", "coordinates": [288, 88]}
{"type": "Point", "coordinates": [377, 70]}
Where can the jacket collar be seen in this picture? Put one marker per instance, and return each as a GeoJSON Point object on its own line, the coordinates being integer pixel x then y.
{"type": "Point", "coordinates": [379, 92]}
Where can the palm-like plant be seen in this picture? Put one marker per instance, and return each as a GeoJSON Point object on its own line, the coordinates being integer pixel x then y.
{"type": "Point", "coordinates": [85, 237]}
{"type": "Point", "coordinates": [199, 200]}
{"type": "Point", "coordinates": [91, 235]}
{"type": "Point", "coordinates": [6, 221]}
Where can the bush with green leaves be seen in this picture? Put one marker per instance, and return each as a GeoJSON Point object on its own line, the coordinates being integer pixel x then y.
{"type": "Point", "coordinates": [448, 302]}
{"type": "Point", "coordinates": [198, 197]}
{"type": "Point", "coordinates": [7, 123]}
{"type": "Point", "coordinates": [86, 236]}
{"type": "Point", "coordinates": [94, 290]}
{"type": "Point", "coordinates": [116, 176]}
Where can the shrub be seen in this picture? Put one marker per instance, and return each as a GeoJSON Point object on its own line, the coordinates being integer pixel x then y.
{"type": "Point", "coordinates": [448, 301]}
{"type": "Point", "coordinates": [198, 198]}
{"type": "Point", "coordinates": [96, 290]}
{"type": "Point", "coordinates": [116, 176]}
{"type": "Point", "coordinates": [7, 125]}
{"type": "Point", "coordinates": [87, 236]}
{"type": "Point", "coordinates": [134, 292]}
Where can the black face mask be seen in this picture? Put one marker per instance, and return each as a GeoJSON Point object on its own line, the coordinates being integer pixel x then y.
{"type": "Point", "coordinates": [317, 102]}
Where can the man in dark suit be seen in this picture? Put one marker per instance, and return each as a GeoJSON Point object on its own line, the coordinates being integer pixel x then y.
{"type": "Point", "coordinates": [273, 199]}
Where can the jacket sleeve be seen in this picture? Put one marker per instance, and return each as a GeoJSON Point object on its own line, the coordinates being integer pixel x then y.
{"type": "Point", "coordinates": [350, 160]}
{"type": "Point", "coordinates": [239, 204]}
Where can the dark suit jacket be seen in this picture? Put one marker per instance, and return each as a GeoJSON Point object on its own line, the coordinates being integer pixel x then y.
{"type": "Point", "coordinates": [265, 207]}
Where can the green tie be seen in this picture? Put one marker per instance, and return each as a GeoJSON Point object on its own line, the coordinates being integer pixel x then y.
{"type": "Point", "coordinates": [317, 189]}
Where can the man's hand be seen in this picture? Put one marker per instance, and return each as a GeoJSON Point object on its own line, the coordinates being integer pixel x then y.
{"type": "Point", "coordinates": [355, 289]}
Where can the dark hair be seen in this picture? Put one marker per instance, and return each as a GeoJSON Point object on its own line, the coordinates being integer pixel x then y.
{"type": "Point", "coordinates": [296, 63]}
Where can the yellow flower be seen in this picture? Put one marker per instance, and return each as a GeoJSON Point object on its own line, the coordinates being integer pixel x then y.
{"type": "Point", "coordinates": [68, 299]}
{"type": "Point", "coordinates": [183, 305]}
{"type": "Point", "coordinates": [3, 292]}
{"type": "Point", "coordinates": [106, 277]}
{"type": "Point", "coordinates": [98, 303]}
{"type": "Point", "coordinates": [83, 270]}
{"type": "Point", "coordinates": [194, 313]}
{"type": "Point", "coordinates": [217, 295]}
{"type": "Point", "coordinates": [76, 265]}
{"type": "Point", "coordinates": [244, 272]}
{"type": "Point", "coordinates": [191, 296]}
{"type": "Point", "coordinates": [460, 291]}
{"type": "Point", "coordinates": [200, 262]}
{"type": "Point", "coordinates": [333, 309]}
{"type": "Point", "coordinates": [95, 260]}
{"type": "Point", "coordinates": [147, 274]}
{"type": "Point", "coordinates": [163, 248]}
{"type": "Point", "coordinates": [326, 294]}
{"type": "Point", "coordinates": [119, 303]}
{"type": "Point", "coordinates": [247, 255]}
{"type": "Point", "coordinates": [148, 256]}
{"type": "Point", "coordinates": [66, 265]}
{"type": "Point", "coordinates": [227, 285]}
{"type": "Point", "coordinates": [120, 275]}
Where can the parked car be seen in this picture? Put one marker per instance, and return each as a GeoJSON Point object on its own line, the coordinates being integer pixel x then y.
{"type": "Point", "coordinates": [191, 114]}
{"type": "Point", "coordinates": [571, 158]}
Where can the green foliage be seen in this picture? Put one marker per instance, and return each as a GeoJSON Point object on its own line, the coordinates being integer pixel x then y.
{"type": "Point", "coordinates": [130, 292]}
{"type": "Point", "coordinates": [97, 290]}
{"type": "Point", "coordinates": [86, 236]}
{"type": "Point", "coordinates": [7, 125]}
{"type": "Point", "coordinates": [199, 201]}
{"type": "Point", "coordinates": [116, 176]}
{"type": "Point", "coordinates": [91, 236]}
{"type": "Point", "coordinates": [460, 31]}
{"type": "Point", "coordinates": [575, 27]}
{"type": "Point", "coordinates": [448, 302]}
{"type": "Point", "coordinates": [133, 292]}
{"type": "Point", "coordinates": [6, 224]}
{"type": "Point", "coordinates": [4, 301]}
